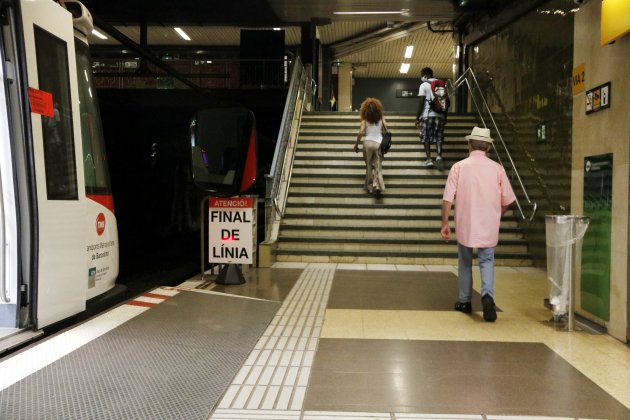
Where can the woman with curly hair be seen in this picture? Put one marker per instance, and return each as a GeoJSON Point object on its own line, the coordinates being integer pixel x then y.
{"type": "Point", "coordinates": [372, 127]}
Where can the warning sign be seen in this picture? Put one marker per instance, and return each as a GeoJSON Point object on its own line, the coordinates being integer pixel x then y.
{"type": "Point", "coordinates": [598, 98]}
{"type": "Point", "coordinates": [230, 234]}
{"type": "Point", "coordinates": [41, 102]}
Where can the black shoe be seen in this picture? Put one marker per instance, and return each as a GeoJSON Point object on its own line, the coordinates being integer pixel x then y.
{"type": "Point", "coordinates": [464, 307]}
{"type": "Point", "coordinates": [439, 163]}
{"type": "Point", "coordinates": [489, 311]}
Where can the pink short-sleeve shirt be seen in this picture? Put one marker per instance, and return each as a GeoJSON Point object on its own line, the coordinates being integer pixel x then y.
{"type": "Point", "coordinates": [479, 187]}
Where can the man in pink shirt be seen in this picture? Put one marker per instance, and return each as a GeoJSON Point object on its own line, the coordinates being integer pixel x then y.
{"type": "Point", "coordinates": [483, 193]}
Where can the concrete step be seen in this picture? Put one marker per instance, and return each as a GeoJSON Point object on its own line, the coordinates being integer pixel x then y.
{"type": "Point", "coordinates": [360, 199]}
{"type": "Point", "coordinates": [321, 135]}
{"type": "Point", "coordinates": [330, 218]}
{"type": "Point", "coordinates": [355, 233]}
{"type": "Point", "coordinates": [393, 190]}
{"type": "Point", "coordinates": [391, 246]}
{"type": "Point", "coordinates": [431, 221]}
{"type": "Point", "coordinates": [356, 170]}
{"type": "Point", "coordinates": [369, 257]}
{"type": "Point", "coordinates": [363, 230]}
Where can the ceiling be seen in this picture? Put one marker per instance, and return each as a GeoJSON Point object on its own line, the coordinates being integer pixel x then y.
{"type": "Point", "coordinates": [373, 41]}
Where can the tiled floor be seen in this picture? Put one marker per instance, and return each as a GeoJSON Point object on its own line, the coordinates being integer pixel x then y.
{"type": "Point", "coordinates": [391, 347]}
{"type": "Point", "coordinates": [372, 342]}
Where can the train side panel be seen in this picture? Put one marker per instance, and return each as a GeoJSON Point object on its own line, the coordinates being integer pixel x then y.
{"type": "Point", "coordinates": [62, 206]}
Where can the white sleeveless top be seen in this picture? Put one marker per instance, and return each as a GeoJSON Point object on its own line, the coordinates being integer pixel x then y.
{"type": "Point", "coordinates": [373, 132]}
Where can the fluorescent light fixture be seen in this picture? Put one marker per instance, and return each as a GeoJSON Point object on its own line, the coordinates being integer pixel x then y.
{"type": "Point", "coordinates": [409, 51]}
{"type": "Point", "coordinates": [277, 29]}
{"type": "Point", "coordinates": [98, 34]}
{"type": "Point", "coordinates": [404, 67]}
{"type": "Point", "coordinates": [383, 12]}
{"type": "Point", "coordinates": [182, 33]}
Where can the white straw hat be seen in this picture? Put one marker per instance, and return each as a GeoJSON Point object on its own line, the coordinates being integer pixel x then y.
{"type": "Point", "coordinates": [481, 134]}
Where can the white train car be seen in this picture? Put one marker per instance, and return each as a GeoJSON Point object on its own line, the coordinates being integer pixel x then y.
{"type": "Point", "coordinates": [57, 223]}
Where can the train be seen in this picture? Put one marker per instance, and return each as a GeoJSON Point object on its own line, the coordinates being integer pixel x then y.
{"type": "Point", "coordinates": [58, 227]}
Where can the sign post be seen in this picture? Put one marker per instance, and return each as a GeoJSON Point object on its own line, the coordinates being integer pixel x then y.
{"type": "Point", "coordinates": [230, 236]}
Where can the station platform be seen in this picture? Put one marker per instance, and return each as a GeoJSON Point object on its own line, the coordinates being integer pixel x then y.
{"type": "Point", "coordinates": [314, 341]}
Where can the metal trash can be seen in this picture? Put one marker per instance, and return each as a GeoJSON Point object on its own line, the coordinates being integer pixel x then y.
{"type": "Point", "coordinates": [564, 235]}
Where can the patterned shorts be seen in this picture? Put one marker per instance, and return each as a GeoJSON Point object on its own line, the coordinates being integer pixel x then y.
{"type": "Point", "coordinates": [432, 130]}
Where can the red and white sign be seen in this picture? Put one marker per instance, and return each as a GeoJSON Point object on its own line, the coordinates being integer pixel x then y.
{"type": "Point", "coordinates": [100, 224]}
{"type": "Point", "coordinates": [41, 102]}
{"type": "Point", "coordinates": [230, 230]}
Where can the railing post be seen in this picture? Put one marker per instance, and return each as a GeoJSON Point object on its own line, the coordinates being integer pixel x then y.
{"type": "Point", "coordinates": [463, 79]}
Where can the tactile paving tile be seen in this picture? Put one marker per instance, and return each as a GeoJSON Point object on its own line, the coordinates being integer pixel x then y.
{"type": "Point", "coordinates": [171, 362]}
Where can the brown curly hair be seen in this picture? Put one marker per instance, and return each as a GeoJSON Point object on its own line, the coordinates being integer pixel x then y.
{"type": "Point", "coordinates": [371, 110]}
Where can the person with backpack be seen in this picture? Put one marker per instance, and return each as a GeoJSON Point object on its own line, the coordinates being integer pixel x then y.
{"type": "Point", "coordinates": [431, 115]}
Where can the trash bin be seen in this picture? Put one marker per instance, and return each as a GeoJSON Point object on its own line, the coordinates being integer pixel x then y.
{"type": "Point", "coordinates": [564, 236]}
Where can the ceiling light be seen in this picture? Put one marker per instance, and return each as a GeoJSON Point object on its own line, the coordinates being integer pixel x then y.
{"type": "Point", "coordinates": [98, 34]}
{"type": "Point", "coordinates": [182, 33]}
{"type": "Point", "coordinates": [277, 29]}
{"type": "Point", "coordinates": [389, 12]}
{"type": "Point", "coordinates": [404, 67]}
{"type": "Point", "coordinates": [409, 51]}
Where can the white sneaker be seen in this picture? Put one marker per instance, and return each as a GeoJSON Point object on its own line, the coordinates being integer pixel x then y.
{"type": "Point", "coordinates": [428, 163]}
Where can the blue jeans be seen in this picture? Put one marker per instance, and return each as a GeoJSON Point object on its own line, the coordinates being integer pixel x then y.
{"type": "Point", "coordinates": [464, 269]}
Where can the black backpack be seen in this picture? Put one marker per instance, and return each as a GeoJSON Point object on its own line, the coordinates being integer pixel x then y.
{"type": "Point", "coordinates": [439, 102]}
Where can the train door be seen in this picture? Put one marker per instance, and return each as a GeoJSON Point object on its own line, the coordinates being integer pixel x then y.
{"type": "Point", "coordinates": [9, 283]}
{"type": "Point", "coordinates": [58, 165]}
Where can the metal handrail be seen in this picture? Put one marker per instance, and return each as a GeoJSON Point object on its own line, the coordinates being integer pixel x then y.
{"type": "Point", "coordinates": [302, 89]}
{"type": "Point", "coordinates": [464, 79]}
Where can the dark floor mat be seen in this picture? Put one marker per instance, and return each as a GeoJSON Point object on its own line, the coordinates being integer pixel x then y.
{"type": "Point", "coordinates": [397, 290]}
{"type": "Point", "coordinates": [453, 377]}
{"type": "Point", "coordinates": [173, 361]}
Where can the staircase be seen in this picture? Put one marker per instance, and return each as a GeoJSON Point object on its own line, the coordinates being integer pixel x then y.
{"type": "Point", "coordinates": [330, 218]}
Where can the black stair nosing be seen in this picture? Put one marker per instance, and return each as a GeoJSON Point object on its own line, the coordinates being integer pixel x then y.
{"type": "Point", "coordinates": [420, 160]}
{"type": "Point", "coordinates": [350, 134]}
{"type": "Point", "coordinates": [399, 254]}
{"type": "Point", "coordinates": [362, 176]}
{"type": "Point", "coordinates": [409, 146]}
{"type": "Point", "coordinates": [355, 167]}
{"type": "Point", "coordinates": [336, 140]}
{"type": "Point", "coordinates": [415, 217]}
{"type": "Point", "coordinates": [399, 127]}
{"type": "Point", "coordinates": [387, 241]}
{"type": "Point", "coordinates": [361, 195]}
{"type": "Point", "coordinates": [387, 114]}
{"type": "Point", "coordinates": [358, 206]}
{"type": "Point", "coordinates": [349, 184]}
{"type": "Point", "coordinates": [416, 229]}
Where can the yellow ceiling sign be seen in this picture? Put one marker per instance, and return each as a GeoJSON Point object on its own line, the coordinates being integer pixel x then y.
{"type": "Point", "coordinates": [579, 79]}
{"type": "Point", "coordinates": [615, 20]}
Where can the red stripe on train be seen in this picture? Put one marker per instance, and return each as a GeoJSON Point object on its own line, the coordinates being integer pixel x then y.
{"type": "Point", "coordinates": [106, 201]}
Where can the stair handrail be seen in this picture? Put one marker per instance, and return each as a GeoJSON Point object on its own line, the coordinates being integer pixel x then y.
{"type": "Point", "coordinates": [300, 95]}
{"type": "Point", "coordinates": [464, 80]}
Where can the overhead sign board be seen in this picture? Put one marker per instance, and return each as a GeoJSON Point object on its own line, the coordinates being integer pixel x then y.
{"type": "Point", "coordinates": [230, 230]}
{"type": "Point", "coordinates": [579, 79]}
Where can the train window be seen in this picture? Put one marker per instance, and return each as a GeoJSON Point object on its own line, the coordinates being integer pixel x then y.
{"type": "Point", "coordinates": [94, 157]}
{"type": "Point", "coordinates": [223, 146]}
{"type": "Point", "coordinates": [58, 135]}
